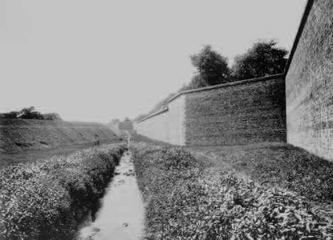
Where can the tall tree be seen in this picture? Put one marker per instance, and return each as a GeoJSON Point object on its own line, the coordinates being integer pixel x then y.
{"type": "Point", "coordinates": [263, 59]}
{"type": "Point", "coordinates": [212, 67]}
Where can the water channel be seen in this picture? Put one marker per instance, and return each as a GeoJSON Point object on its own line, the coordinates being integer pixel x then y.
{"type": "Point", "coordinates": [121, 216]}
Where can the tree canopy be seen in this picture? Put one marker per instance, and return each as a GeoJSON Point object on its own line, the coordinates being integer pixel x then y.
{"type": "Point", "coordinates": [263, 59]}
{"type": "Point", "coordinates": [212, 67]}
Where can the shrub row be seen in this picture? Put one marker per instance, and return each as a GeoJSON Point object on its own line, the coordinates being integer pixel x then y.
{"type": "Point", "coordinates": [188, 199]}
{"type": "Point", "coordinates": [48, 199]}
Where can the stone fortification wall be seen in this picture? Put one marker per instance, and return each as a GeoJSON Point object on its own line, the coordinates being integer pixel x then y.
{"type": "Point", "coordinates": [236, 113]}
{"type": "Point", "coordinates": [309, 82]}
{"type": "Point", "coordinates": [165, 125]}
{"type": "Point", "coordinates": [244, 112]}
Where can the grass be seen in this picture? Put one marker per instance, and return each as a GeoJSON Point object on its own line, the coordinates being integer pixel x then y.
{"type": "Point", "coordinates": [7, 159]}
{"type": "Point", "coordinates": [28, 134]}
{"type": "Point", "coordinates": [277, 164]}
{"type": "Point", "coordinates": [189, 198]}
{"type": "Point", "coordinates": [48, 199]}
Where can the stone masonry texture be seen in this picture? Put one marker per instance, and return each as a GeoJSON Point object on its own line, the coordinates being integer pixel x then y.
{"type": "Point", "coordinates": [297, 107]}
{"type": "Point", "coordinates": [242, 113]}
{"type": "Point", "coordinates": [250, 112]}
{"type": "Point", "coordinates": [309, 84]}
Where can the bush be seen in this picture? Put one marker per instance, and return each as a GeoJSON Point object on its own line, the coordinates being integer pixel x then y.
{"type": "Point", "coordinates": [189, 199]}
{"type": "Point", "coordinates": [48, 199]}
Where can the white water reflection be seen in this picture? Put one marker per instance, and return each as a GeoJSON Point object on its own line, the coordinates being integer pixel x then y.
{"type": "Point", "coordinates": [121, 216]}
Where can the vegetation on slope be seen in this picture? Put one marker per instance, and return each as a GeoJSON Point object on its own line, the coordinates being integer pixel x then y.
{"type": "Point", "coordinates": [27, 134]}
{"type": "Point", "coordinates": [191, 199]}
{"type": "Point", "coordinates": [48, 199]}
{"type": "Point", "coordinates": [278, 164]}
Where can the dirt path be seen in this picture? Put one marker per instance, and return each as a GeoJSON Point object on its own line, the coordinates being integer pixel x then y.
{"type": "Point", "coordinates": [121, 216]}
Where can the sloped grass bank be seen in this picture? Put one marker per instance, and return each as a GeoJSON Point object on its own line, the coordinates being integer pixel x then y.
{"type": "Point", "coordinates": [19, 135]}
{"type": "Point", "coordinates": [278, 164]}
{"type": "Point", "coordinates": [190, 199]}
{"type": "Point", "coordinates": [48, 199]}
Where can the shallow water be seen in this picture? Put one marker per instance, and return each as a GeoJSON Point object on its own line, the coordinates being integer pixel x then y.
{"type": "Point", "coordinates": [121, 216]}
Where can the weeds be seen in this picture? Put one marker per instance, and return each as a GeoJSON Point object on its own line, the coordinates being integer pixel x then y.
{"type": "Point", "coordinates": [188, 199]}
{"type": "Point", "coordinates": [281, 165]}
{"type": "Point", "coordinates": [48, 199]}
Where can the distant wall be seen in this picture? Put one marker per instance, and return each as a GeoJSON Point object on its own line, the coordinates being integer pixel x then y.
{"type": "Point", "coordinates": [254, 111]}
{"type": "Point", "coordinates": [309, 83]}
{"type": "Point", "coordinates": [240, 113]}
{"type": "Point", "coordinates": [228, 114]}
{"type": "Point", "coordinates": [176, 121]}
{"type": "Point", "coordinates": [19, 134]}
{"type": "Point", "coordinates": [166, 125]}
{"type": "Point", "coordinates": [155, 127]}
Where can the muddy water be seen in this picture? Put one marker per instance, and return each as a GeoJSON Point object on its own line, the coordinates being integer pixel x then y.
{"type": "Point", "coordinates": [121, 216]}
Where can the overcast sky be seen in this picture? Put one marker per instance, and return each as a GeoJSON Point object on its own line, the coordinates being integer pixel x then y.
{"type": "Point", "coordinates": [94, 60]}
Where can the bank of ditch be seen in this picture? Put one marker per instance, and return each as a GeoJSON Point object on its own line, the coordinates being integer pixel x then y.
{"type": "Point", "coordinates": [276, 164]}
{"type": "Point", "coordinates": [121, 215]}
{"type": "Point", "coordinates": [190, 198]}
{"type": "Point", "coordinates": [49, 199]}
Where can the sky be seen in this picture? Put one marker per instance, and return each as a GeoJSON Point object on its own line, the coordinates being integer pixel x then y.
{"type": "Point", "coordinates": [95, 60]}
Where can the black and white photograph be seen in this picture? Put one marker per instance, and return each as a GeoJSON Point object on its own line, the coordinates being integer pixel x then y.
{"type": "Point", "coordinates": [166, 119]}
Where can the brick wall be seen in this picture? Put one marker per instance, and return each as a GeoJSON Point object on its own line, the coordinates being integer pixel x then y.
{"type": "Point", "coordinates": [230, 114]}
{"type": "Point", "coordinates": [254, 111]}
{"type": "Point", "coordinates": [233, 114]}
{"type": "Point", "coordinates": [309, 84]}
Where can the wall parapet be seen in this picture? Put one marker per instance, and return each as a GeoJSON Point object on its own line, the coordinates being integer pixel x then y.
{"type": "Point", "coordinates": [223, 85]}
{"type": "Point", "coordinates": [154, 114]}
{"type": "Point", "coordinates": [299, 34]}
{"type": "Point", "coordinates": [200, 116]}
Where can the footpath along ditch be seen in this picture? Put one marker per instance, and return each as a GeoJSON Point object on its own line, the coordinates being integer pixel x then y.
{"type": "Point", "coordinates": [121, 216]}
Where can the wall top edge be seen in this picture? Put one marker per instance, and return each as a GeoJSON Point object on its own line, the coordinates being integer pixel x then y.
{"type": "Point", "coordinates": [282, 75]}
{"type": "Point", "coordinates": [299, 34]}
{"type": "Point", "coordinates": [252, 80]}
{"type": "Point", "coordinates": [154, 114]}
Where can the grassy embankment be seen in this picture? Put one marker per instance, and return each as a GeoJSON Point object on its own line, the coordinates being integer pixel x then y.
{"type": "Point", "coordinates": [22, 134]}
{"type": "Point", "coordinates": [190, 198]}
{"type": "Point", "coordinates": [48, 199]}
{"type": "Point", "coordinates": [276, 164]}
{"type": "Point", "coordinates": [24, 140]}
